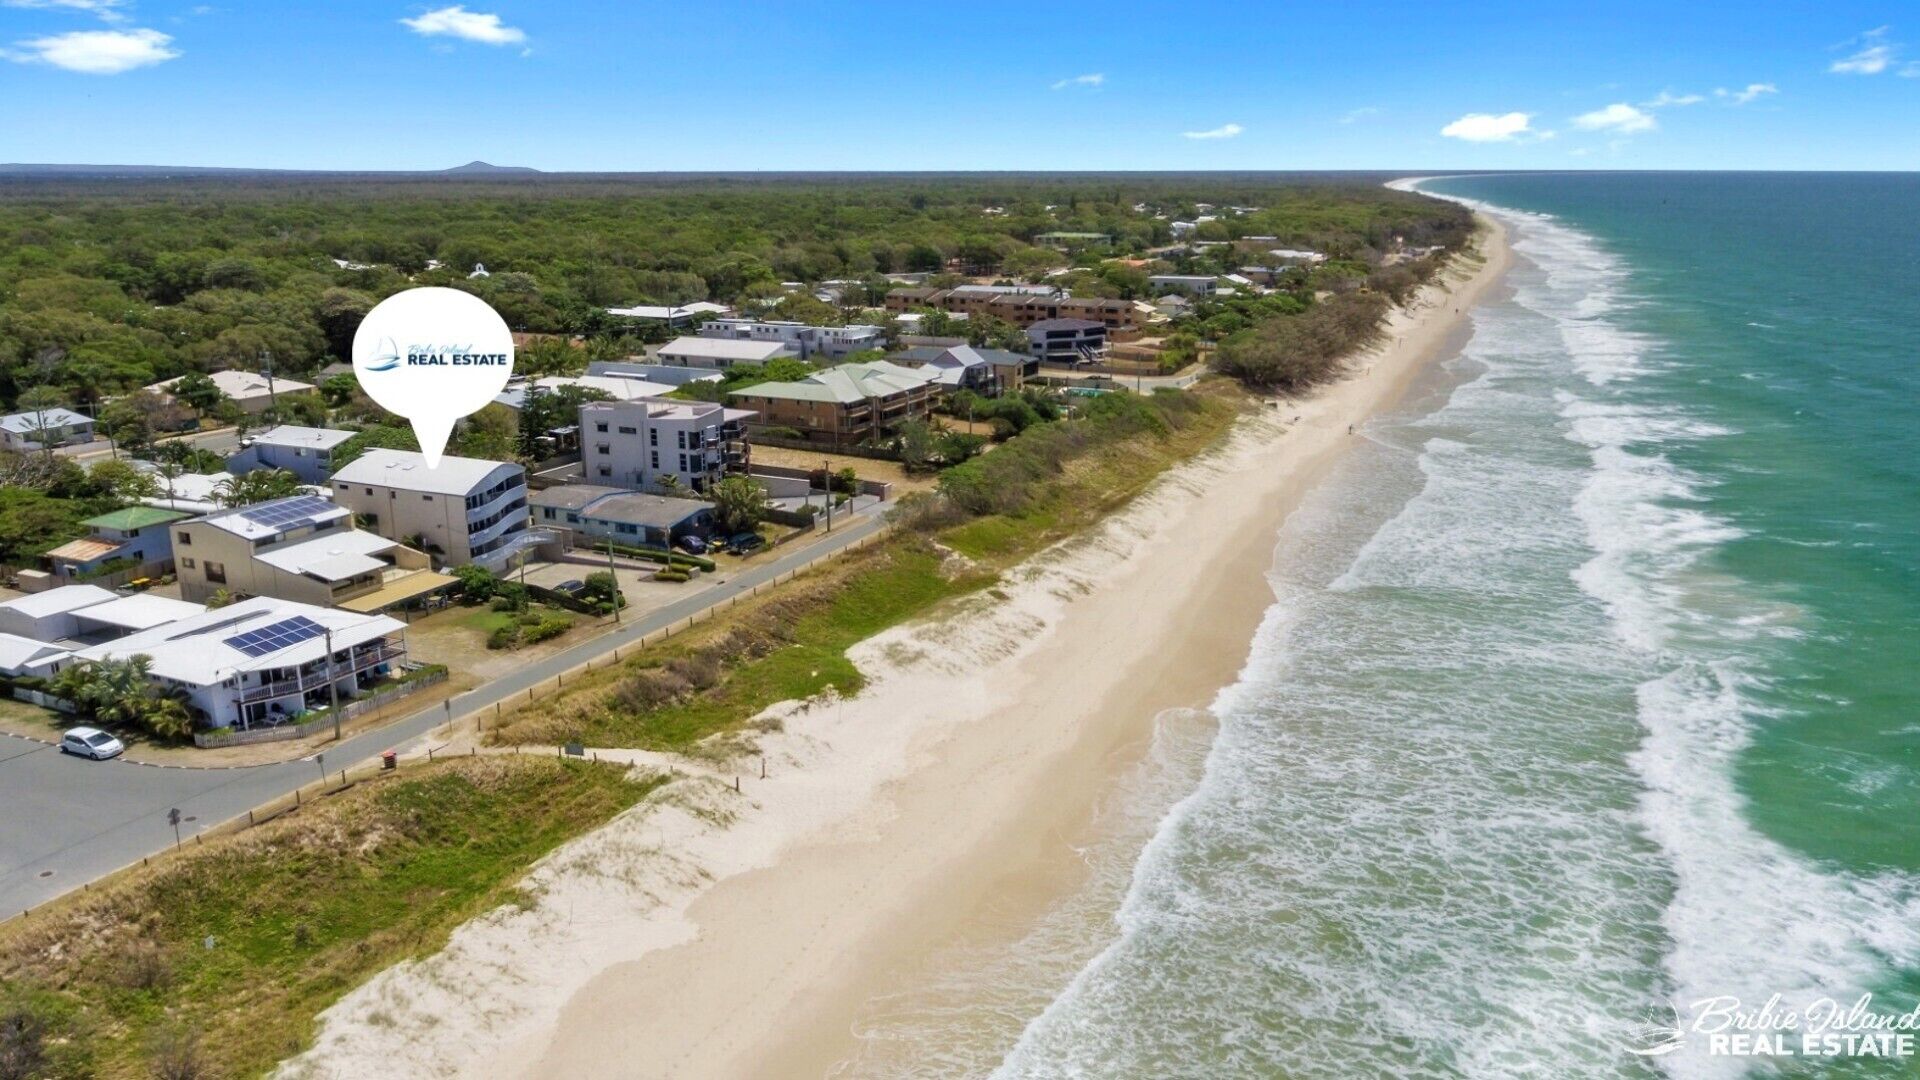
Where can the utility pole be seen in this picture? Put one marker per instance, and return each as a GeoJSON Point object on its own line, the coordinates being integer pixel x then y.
{"type": "Point", "coordinates": [333, 688]}
{"type": "Point", "coordinates": [616, 577]}
{"type": "Point", "coordinates": [266, 368]}
{"type": "Point", "coordinates": [826, 474]}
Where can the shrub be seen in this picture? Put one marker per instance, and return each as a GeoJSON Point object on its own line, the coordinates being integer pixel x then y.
{"type": "Point", "coordinates": [503, 637]}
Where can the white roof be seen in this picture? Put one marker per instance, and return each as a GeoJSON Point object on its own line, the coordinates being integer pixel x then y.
{"type": "Point", "coordinates": [670, 374]}
{"type": "Point", "coordinates": [241, 385]}
{"type": "Point", "coordinates": [313, 438]}
{"type": "Point", "coordinates": [55, 601]}
{"type": "Point", "coordinates": [34, 421]}
{"type": "Point", "coordinates": [196, 651]}
{"type": "Point", "coordinates": [192, 492]}
{"type": "Point", "coordinates": [334, 557]}
{"type": "Point", "coordinates": [661, 311]}
{"type": "Point", "coordinates": [618, 387]}
{"type": "Point", "coordinates": [407, 470]}
{"type": "Point", "coordinates": [724, 348]}
{"type": "Point", "coordinates": [16, 652]}
{"type": "Point", "coordinates": [140, 611]}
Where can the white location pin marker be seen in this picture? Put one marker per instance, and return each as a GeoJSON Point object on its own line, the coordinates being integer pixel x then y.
{"type": "Point", "coordinates": [433, 355]}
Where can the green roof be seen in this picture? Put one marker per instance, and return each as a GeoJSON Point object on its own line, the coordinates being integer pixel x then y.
{"type": "Point", "coordinates": [134, 518]}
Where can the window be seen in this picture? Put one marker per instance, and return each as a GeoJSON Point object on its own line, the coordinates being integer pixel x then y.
{"type": "Point", "coordinates": [183, 538]}
{"type": "Point", "coordinates": [547, 512]}
{"type": "Point", "coordinates": [605, 470]}
{"type": "Point", "coordinates": [573, 519]}
{"type": "Point", "coordinates": [656, 458]}
{"type": "Point", "coordinates": [601, 428]}
{"type": "Point", "coordinates": [683, 463]}
{"type": "Point", "coordinates": [216, 572]}
{"type": "Point", "coordinates": [682, 437]}
{"type": "Point", "coordinates": [653, 436]}
{"type": "Point", "coordinates": [602, 448]}
{"type": "Point", "coordinates": [187, 562]}
{"type": "Point", "coordinates": [629, 431]}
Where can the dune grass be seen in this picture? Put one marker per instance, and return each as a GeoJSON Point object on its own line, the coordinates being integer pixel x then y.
{"type": "Point", "coordinates": [216, 962]}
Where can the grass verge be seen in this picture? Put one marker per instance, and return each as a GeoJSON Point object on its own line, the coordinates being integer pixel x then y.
{"type": "Point", "coordinates": [216, 962]}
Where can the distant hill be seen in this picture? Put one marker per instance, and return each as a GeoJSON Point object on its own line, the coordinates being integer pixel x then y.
{"type": "Point", "coordinates": [471, 168]}
{"type": "Point", "coordinates": [483, 167]}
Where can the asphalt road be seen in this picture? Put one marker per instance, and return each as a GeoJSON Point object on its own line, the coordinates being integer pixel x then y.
{"type": "Point", "coordinates": [68, 821]}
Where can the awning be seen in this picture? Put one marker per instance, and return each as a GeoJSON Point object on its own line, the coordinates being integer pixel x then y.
{"type": "Point", "coordinates": [85, 551]}
{"type": "Point", "coordinates": [398, 591]}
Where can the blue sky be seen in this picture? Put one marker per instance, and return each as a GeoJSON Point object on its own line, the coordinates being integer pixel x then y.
{"type": "Point", "coordinates": [357, 84]}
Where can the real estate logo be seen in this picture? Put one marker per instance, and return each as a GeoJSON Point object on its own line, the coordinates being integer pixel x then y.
{"type": "Point", "coordinates": [433, 355]}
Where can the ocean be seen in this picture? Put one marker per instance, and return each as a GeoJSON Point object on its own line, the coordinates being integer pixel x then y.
{"type": "Point", "coordinates": [1591, 691]}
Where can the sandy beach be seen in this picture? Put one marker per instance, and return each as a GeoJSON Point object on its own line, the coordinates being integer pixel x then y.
{"type": "Point", "coordinates": [714, 934]}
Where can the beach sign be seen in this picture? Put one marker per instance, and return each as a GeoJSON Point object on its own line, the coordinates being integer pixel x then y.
{"type": "Point", "coordinates": [433, 355]}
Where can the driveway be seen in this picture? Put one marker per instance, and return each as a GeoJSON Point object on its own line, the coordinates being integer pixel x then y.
{"type": "Point", "coordinates": [70, 821]}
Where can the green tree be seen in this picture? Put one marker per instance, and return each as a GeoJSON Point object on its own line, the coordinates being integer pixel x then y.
{"type": "Point", "coordinates": [39, 402]}
{"type": "Point", "coordinates": [122, 482]}
{"type": "Point", "coordinates": [477, 583]}
{"type": "Point", "coordinates": [258, 486]}
{"type": "Point", "coordinates": [739, 503]}
{"type": "Point", "coordinates": [197, 388]}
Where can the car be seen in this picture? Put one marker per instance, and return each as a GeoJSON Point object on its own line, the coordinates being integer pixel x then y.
{"type": "Point", "coordinates": [571, 587]}
{"type": "Point", "coordinates": [743, 543]}
{"type": "Point", "coordinates": [691, 544]}
{"type": "Point", "coordinates": [91, 743]}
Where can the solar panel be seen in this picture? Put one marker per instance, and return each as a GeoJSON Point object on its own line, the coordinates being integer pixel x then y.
{"type": "Point", "coordinates": [281, 512]}
{"type": "Point", "coordinates": [276, 636]}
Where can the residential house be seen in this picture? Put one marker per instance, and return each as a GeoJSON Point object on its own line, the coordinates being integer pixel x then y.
{"type": "Point", "coordinates": [1185, 284]}
{"type": "Point", "coordinates": [48, 616]}
{"type": "Point", "coordinates": [650, 372]}
{"type": "Point", "coordinates": [640, 444]}
{"type": "Point", "coordinates": [844, 405]}
{"type": "Point", "coordinates": [306, 452]}
{"type": "Point", "coordinates": [303, 548]}
{"type": "Point", "coordinates": [1068, 341]}
{"type": "Point", "coordinates": [465, 511]}
{"type": "Point", "coordinates": [254, 393]}
{"type": "Point", "coordinates": [25, 657]}
{"type": "Point", "coordinates": [137, 539]}
{"type": "Point", "coordinates": [804, 341]}
{"type": "Point", "coordinates": [720, 353]}
{"type": "Point", "coordinates": [1022, 308]}
{"type": "Point", "coordinates": [670, 314]}
{"type": "Point", "coordinates": [263, 661]}
{"type": "Point", "coordinates": [591, 512]}
{"type": "Point", "coordinates": [37, 429]}
{"type": "Point", "coordinates": [616, 387]}
{"type": "Point", "coordinates": [964, 367]}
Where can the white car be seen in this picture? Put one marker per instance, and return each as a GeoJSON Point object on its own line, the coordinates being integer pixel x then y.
{"type": "Point", "coordinates": [92, 743]}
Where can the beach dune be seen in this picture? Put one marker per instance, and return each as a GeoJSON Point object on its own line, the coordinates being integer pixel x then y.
{"type": "Point", "coordinates": [723, 935]}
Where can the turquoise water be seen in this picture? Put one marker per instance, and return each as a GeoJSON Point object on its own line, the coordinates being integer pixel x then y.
{"type": "Point", "coordinates": [1590, 687]}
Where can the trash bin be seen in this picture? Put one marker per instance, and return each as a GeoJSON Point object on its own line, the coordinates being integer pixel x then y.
{"type": "Point", "coordinates": [389, 760]}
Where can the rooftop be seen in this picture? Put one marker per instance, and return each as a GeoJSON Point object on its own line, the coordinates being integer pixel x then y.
{"type": "Point", "coordinates": [312, 438]}
{"type": "Point", "coordinates": [55, 601]}
{"type": "Point", "coordinates": [134, 518]}
{"type": "Point", "coordinates": [34, 421]}
{"type": "Point", "coordinates": [277, 516]}
{"type": "Point", "coordinates": [141, 611]}
{"type": "Point", "coordinates": [86, 549]}
{"type": "Point", "coordinates": [241, 385]}
{"type": "Point", "coordinates": [662, 311]}
{"type": "Point", "coordinates": [845, 384]}
{"type": "Point", "coordinates": [724, 349]}
{"type": "Point", "coordinates": [337, 556]}
{"type": "Point", "coordinates": [260, 633]}
{"type": "Point", "coordinates": [407, 470]}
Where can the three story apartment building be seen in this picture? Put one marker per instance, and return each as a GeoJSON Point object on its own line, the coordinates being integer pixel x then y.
{"type": "Point", "coordinates": [638, 444]}
{"type": "Point", "coordinates": [465, 511]}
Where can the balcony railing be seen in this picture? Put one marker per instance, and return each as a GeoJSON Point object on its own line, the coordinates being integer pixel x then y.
{"type": "Point", "coordinates": [317, 678]}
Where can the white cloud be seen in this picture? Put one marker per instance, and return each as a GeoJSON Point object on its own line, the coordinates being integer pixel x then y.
{"type": "Point", "coordinates": [1224, 131]}
{"type": "Point", "coordinates": [1741, 97]}
{"type": "Point", "coordinates": [1486, 127]}
{"type": "Point", "coordinates": [1093, 80]}
{"type": "Point", "coordinates": [1874, 56]}
{"type": "Point", "coordinates": [96, 52]}
{"type": "Point", "coordinates": [1361, 113]}
{"type": "Point", "coordinates": [105, 10]}
{"type": "Point", "coordinates": [457, 21]}
{"type": "Point", "coordinates": [1667, 99]}
{"type": "Point", "coordinates": [1619, 117]}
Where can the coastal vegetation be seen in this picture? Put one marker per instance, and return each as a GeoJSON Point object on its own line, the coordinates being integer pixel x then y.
{"type": "Point", "coordinates": [107, 286]}
{"type": "Point", "coordinates": [791, 643]}
{"type": "Point", "coordinates": [215, 961]}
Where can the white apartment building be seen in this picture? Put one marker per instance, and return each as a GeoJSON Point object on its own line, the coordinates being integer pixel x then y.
{"type": "Point", "coordinates": [834, 342]}
{"type": "Point", "coordinates": [465, 511]}
{"type": "Point", "coordinates": [634, 444]}
{"type": "Point", "coordinates": [721, 353]}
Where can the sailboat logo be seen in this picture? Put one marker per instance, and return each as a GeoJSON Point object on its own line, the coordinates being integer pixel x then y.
{"type": "Point", "coordinates": [385, 357]}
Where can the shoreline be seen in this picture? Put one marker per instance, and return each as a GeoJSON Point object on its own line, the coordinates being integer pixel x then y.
{"type": "Point", "coordinates": [669, 943]}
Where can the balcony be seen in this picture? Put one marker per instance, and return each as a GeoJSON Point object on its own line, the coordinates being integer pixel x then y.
{"type": "Point", "coordinates": [316, 679]}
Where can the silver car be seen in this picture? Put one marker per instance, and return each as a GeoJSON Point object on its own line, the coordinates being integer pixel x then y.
{"type": "Point", "coordinates": [91, 743]}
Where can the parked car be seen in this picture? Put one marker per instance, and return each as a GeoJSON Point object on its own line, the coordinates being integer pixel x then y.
{"type": "Point", "coordinates": [571, 587]}
{"type": "Point", "coordinates": [744, 543]}
{"type": "Point", "coordinates": [691, 544]}
{"type": "Point", "coordinates": [91, 743]}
